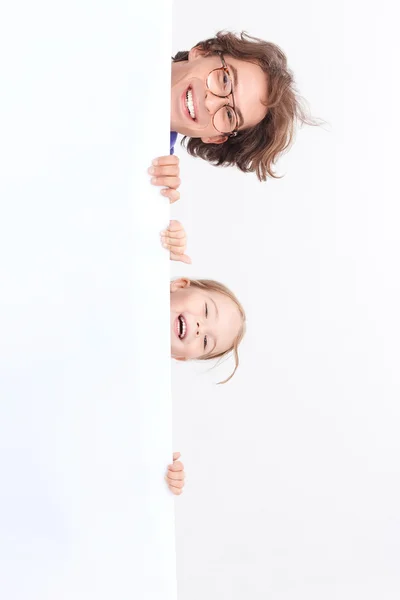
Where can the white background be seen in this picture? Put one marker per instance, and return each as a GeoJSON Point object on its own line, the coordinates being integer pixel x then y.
{"type": "Point", "coordinates": [293, 477]}
{"type": "Point", "coordinates": [85, 427]}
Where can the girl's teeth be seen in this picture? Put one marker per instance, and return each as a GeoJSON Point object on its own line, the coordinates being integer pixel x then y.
{"type": "Point", "coordinates": [182, 327]}
{"type": "Point", "coordinates": [189, 103]}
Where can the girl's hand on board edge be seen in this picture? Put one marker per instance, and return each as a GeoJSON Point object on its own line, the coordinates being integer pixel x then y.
{"type": "Point", "coordinates": [175, 476]}
{"type": "Point", "coordinates": [174, 240]}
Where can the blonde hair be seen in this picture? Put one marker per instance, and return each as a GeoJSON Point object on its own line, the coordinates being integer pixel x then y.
{"type": "Point", "coordinates": [210, 284]}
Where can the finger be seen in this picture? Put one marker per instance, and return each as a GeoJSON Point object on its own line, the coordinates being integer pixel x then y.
{"type": "Point", "coordinates": [180, 258]}
{"type": "Point", "coordinates": [177, 485]}
{"type": "Point", "coordinates": [174, 245]}
{"type": "Point", "coordinates": [171, 159]}
{"type": "Point", "coordinates": [176, 491]}
{"type": "Point", "coordinates": [176, 455]}
{"type": "Point", "coordinates": [176, 252]}
{"type": "Point", "coordinates": [173, 248]}
{"type": "Point", "coordinates": [165, 171]}
{"type": "Point", "coordinates": [175, 226]}
{"type": "Point", "coordinates": [176, 466]}
{"type": "Point", "coordinates": [174, 235]}
{"type": "Point", "coordinates": [171, 182]}
{"type": "Point", "coordinates": [176, 476]}
{"type": "Point", "coordinates": [173, 195]}
{"type": "Point", "coordinates": [175, 240]}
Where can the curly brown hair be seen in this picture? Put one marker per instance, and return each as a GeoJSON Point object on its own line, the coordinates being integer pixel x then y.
{"type": "Point", "coordinates": [258, 148]}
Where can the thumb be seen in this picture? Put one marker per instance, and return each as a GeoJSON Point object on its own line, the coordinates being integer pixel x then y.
{"type": "Point", "coordinates": [176, 455]}
{"type": "Point", "coordinates": [186, 259]}
{"type": "Point", "coordinates": [180, 258]}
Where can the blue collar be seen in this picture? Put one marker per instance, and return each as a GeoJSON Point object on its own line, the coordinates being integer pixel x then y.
{"type": "Point", "coordinates": [173, 138]}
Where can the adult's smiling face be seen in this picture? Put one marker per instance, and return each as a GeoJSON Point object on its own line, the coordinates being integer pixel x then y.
{"type": "Point", "coordinates": [197, 112]}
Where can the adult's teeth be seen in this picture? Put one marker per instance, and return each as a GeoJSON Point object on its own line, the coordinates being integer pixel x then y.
{"type": "Point", "coordinates": [189, 103]}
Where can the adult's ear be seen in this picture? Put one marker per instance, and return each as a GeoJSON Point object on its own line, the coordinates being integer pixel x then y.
{"type": "Point", "coordinates": [196, 52]}
{"type": "Point", "coordinates": [216, 139]}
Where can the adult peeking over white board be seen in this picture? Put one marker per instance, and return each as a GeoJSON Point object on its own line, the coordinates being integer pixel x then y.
{"type": "Point", "coordinates": [234, 99]}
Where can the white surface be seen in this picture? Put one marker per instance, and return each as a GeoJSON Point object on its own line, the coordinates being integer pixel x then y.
{"type": "Point", "coordinates": [85, 414]}
{"type": "Point", "coordinates": [293, 477]}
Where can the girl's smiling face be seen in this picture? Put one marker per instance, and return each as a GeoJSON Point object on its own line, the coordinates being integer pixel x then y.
{"type": "Point", "coordinates": [204, 322]}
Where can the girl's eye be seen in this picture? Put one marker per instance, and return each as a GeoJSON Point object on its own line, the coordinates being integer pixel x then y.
{"type": "Point", "coordinates": [206, 310]}
{"type": "Point", "coordinates": [205, 342]}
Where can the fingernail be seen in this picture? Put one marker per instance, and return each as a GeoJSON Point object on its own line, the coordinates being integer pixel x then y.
{"type": "Point", "coordinates": [153, 180]}
{"type": "Point", "coordinates": [151, 170]}
{"type": "Point", "coordinates": [164, 192]}
{"type": "Point", "coordinates": [154, 162]}
{"type": "Point", "coordinates": [165, 245]}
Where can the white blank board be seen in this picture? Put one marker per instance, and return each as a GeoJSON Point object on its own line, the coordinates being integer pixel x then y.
{"type": "Point", "coordinates": [85, 406]}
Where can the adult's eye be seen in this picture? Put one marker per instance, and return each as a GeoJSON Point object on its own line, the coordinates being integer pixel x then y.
{"type": "Point", "coordinates": [229, 114]}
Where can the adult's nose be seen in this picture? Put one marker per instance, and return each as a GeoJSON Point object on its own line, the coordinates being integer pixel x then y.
{"type": "Point", "coordinates": [214, 103]}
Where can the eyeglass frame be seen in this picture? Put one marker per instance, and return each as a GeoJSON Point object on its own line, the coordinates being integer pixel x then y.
{"type": "Point", "coordinates": [226, 70]}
